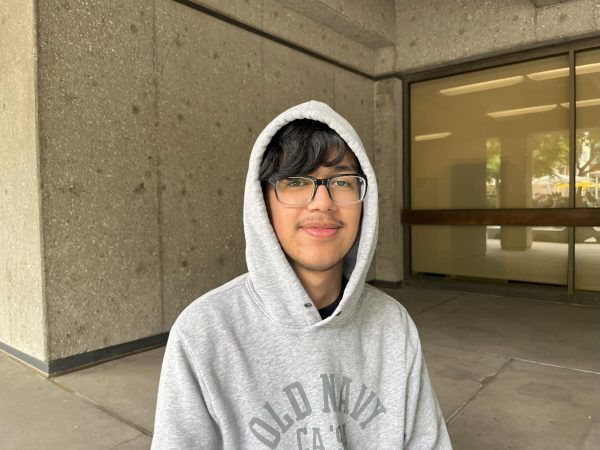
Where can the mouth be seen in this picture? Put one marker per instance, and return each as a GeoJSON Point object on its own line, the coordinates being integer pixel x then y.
{"type": "Point", "coordinates": [321, 229]}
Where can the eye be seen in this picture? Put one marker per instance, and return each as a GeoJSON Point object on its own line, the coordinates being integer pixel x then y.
{"type": "Point", "coordinates": [343, 182]}
{"type": "Point", "coordinates": [294, 182]}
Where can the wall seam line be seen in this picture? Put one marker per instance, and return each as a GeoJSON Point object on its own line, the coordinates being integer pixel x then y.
{"type": "Point", "coordinates": [159, 218]}
{"type": "Point", "coordinates": [39, 172]}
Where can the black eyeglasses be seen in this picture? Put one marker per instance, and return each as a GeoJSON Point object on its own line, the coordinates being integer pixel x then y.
{"type": "Point", "coordinates": [343, 189]}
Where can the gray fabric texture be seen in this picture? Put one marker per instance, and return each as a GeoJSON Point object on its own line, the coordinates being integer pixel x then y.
{"type": "Point", "coordinates": [250, 366]}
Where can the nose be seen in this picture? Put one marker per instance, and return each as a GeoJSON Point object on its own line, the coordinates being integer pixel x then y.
{"type": "Point", "coordinates": [321, 201]}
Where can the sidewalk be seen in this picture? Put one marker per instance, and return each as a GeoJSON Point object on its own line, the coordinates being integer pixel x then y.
{"type": "Point", "coordinates": [509, 374]}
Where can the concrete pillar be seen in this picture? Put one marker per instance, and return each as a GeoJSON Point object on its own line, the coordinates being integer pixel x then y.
{"type": "Point", "coordinates": [388, 167]}
{"type": "Point", "coordinates": [22, 309]}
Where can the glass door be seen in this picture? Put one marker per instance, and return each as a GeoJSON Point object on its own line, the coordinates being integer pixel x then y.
{"type": "Point", "coordinates": [496, 172]}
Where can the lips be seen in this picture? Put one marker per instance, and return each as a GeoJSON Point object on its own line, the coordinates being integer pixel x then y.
{"type": "Point", "coordinates": [321, 229]}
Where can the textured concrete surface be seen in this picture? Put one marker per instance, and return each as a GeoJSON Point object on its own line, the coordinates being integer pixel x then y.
{"type": "Point", "coordinates": [347, 41]}
{"type": "Point", "coordinates": [535, 407]}
{"type": "Point", "coordinates": [436, 32]}
{"type": "Point", "coordinates": [376, 39]}
{"type": "Point", "coordinates": [353, 99]}
{"type": "Point", "coordinates": [143, 108]}
{"type": "Point", "coordinates": [125, 386]}
{"type": "Point", "coordinates": [147, 112]}
{"type": "Point", "coordinates": [22, 321]}
{"type": "Point", "coordinates": [458, 375]}
{"type": "Point", "coordinates": [210, 82]}
{"type": "Point", "coordinates": [416, 300]}
{"type": "Point", "coordinates": [299, 29]}
{"type": "Point", "coordinates": [141, 442]}
{"type": "Point", "coordinates": [388, 167]}
{"type": "Point", "coordinates": [372, 24]}
{"type": "Point", "coordinates": [99, 174]}
{"type": "Point", "coordinates": [35, 413]}
{"type": "Point", "coordinates": [291, 78]}
{"type": "Point", "coordinates": [490, 401]}
{"type": "Point", "coordinates": [566, 19]}
{"type": "Point", "coordinates": [542, 3]}
{"type": "Point", "coordinates": [488, 360]}
{"type": "Point", "coordinates": [530, 330]}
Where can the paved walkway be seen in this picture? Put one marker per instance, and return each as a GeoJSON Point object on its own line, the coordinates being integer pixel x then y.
{"type": "Point", "coordinates": [509, 374]}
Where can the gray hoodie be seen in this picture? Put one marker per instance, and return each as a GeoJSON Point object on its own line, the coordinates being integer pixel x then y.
{"type": "Point", "coordinates": [251, 365]}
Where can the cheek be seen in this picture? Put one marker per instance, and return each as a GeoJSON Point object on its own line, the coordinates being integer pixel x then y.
{"type": "Point", "coordinates": [278, 221]}
{"type": "Point", "coordinates": [355, 218]}
{"type": "Point", "coordinates": [282, 220]}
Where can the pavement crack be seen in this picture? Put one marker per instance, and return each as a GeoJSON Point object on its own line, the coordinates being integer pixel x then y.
{"type": "Point", "coordinates": [101, 407]}
{"type": "Point", "coordinates": [558, 366]}
{"type": "Point", "coordinates": [121, 443]}
{"type": "Point", "coordinates": [485, 382]}
{"type": "Point", "coordinates": [454, 297]}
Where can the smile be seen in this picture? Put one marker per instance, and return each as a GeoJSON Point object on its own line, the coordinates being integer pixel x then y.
{"type": "Point", "coordinates": [321, 230]}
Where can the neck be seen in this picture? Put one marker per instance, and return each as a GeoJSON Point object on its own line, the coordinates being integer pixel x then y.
{"type": "Point", "coordinates": [323, 287]}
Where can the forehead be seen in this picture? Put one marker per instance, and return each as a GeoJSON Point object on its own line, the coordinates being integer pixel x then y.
{"type": "Point", "coordinates": [349, 162]}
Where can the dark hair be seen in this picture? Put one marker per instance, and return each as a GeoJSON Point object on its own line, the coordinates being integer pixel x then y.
{"type": "Point", "coordinates": [300, 148]}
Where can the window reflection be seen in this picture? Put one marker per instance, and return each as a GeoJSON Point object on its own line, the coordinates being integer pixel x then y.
{"type": "Point", "coordinates": [529, 254]}
{"type": "Point", "coordinates": [587, 258]}
{"type": "Point", "coordinates": [494, 138]}
{"type": "Point", "coordinates": [499, 138]}
{"type": "Point", "coordinates": [588, 131]}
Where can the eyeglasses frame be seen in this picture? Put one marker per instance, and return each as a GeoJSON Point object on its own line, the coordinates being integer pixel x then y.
{"type": "Point", "coordinates": [321, 182]}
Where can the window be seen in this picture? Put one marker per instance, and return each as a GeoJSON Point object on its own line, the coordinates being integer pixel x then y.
{"type": "Point", "coordinates": [496, 166]}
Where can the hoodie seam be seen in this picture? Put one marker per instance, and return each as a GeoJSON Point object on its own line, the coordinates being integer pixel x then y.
{"type": "Point", "coordinates": [201, 381]}
{"type": "Point", "coordinates": [388, 299]}
{"type": "Point", "coordinates": [255, 298]}
{"type": "Point", "coordinates": [350, 319]}
{"type": "Point", "coordinates": [207, 297]}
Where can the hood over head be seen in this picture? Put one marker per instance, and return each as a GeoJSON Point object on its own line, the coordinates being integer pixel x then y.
{"type": "Point", "coordinates": [276, 287]}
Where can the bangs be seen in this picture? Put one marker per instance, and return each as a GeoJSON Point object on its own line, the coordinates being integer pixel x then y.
{"type": "Point", "coordinates": [300, 148]}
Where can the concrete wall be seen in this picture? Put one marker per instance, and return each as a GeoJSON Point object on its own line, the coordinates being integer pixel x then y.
{"type": "Point", "coordinates": [346, 31]}
{"type": "Point", "coordinates": [22, 322]}
{"type": "Point", "coordinates": [99, 169]}
{"type": "Point", "coordinates": [369, 23]}
{"type": "Point", "coordinates": [218, 87]}
{"type": "Point", "coordinates": [148, 112]}
{"type": "Point", "coordinates": [435, 32]}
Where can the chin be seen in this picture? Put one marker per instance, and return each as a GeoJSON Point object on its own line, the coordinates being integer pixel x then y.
{"type": "Point", "coordinates": [318, 264]}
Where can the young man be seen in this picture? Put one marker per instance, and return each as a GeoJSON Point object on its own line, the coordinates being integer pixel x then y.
{"type": "Point", "coordinates": [299, 352]}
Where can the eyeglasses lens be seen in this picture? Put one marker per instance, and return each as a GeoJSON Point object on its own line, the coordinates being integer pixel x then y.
{"type": "Point", "coordinates": [343, 189]}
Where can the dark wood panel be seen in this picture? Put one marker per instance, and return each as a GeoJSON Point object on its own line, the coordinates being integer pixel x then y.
{"type": "Point", "coordinates": [517, 217]}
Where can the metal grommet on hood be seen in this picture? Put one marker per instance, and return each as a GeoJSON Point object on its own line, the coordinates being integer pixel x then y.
{"type": "Point", "coordinates": [308, 305]}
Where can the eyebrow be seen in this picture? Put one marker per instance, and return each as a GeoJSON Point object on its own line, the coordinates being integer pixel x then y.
{"type": "Point", "coordinates": [345, 168]}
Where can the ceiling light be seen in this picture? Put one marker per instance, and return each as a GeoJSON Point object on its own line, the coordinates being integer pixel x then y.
{"type": "Point", "coordinates": [521, 111]}
{"type": "Point", "coordinates": [587, 68]}
{"type": "Point", "coordinates": [583, 103]}
{"type": "Point", "coordinates": [430, 137]}
{"type": "Point", "coordinates": [483, 86]}
{"type": "Point", "coordinates": [564, 72]}
{"type": "Point", "coordinates": [549, 74]}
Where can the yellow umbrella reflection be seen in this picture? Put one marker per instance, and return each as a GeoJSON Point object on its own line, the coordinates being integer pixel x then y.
{"type": "Point", "coordinates": [585, 184]}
